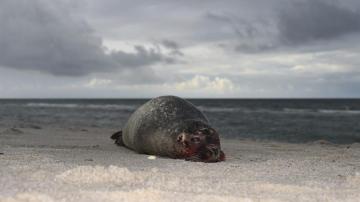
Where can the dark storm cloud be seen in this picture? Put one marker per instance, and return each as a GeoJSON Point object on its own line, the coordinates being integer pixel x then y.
{"type": "Point", "coordinates": [252, 35]}
{"type": "Point", "coordinates": [45, 36]}
{"type": "Point", "coordinates": [254, 48]}
{"type": "Point", "coordinates": [292, 24]}
{"type": "Point", "coordinates": [293, 48]}
{"type": "Point", "coordinates": [242, 27]}
{"type": "Point", "coordinates": [142, 57]}
{"type": "Point", "coordinates": [316, 20]}
{"type": "Point", "coordinates": [172, 46]}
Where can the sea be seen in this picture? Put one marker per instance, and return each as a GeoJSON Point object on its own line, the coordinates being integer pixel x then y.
{"type": "Point", "coordinates": [289, 120]}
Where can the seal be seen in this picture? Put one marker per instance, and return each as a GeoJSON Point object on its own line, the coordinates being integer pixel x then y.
{"type": "Point", "coordinates": [172, 127]}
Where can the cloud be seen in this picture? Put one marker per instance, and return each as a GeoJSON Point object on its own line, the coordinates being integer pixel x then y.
{"type": "Point", "coordinates": [293, 48]}
{"type": "Point", "coordinates": [173, 46]}
{"type": "Point", "coordinates": [199, 82]}
{"type": "Point", "coordinates": [314, 20]}
{"type": "Point", "coordinates": [170, 44]}
{"type": "Point", "coordinates": [251, 35]}
{"type": "Point", "coordinates": [243, 28]}
{"type": "Point", "coordinates": [293, 25]}
{"type": "Point", "coordinates": [95, 82]}
{"type": "Point", "coordinates": [46, 36]}
{"type": "Point", "coordinates": [141, 57]}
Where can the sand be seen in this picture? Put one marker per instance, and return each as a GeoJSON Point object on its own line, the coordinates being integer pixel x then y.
{"type": "Point", "coordinates": [55, 164]}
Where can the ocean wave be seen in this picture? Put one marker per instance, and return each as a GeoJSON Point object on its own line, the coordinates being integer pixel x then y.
{"type": "Point", "coordinates": [82, 106]}
{"type": "Point", "coordinates": [333, 111]}
{"type": "Point", "coordinates": [297, 111]}
{"type": "Point", "coordinates": [322, 111]}
{"type": "Point", "coordinates": [277, 111]}
{"type": "Point", "coordinates": [201, 107]}
{"type": "Point", "coordinates": [220, 109]}
{"type": "Point", "coordinates": [249, 110]}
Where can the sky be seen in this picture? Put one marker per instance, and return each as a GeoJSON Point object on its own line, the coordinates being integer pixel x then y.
{"type": "Point", "coordinates": [189, 48]}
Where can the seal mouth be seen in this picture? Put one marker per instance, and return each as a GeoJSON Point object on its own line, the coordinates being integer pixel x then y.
{"type": "Point", "coordinates": [213, 153]}
{"type": "Point", "coordinates": [209, 154]}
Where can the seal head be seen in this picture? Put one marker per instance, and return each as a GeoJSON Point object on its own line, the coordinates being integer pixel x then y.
{"type": "Point", "coordinates": [199, 142]}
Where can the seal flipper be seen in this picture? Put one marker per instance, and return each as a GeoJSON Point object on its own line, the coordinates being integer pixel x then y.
{"type": "Point", "coordinates": [118, 138]}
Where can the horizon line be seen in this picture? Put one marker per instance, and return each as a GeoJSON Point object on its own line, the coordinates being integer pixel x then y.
{"type": "Point", "coordinates": [144, 98]}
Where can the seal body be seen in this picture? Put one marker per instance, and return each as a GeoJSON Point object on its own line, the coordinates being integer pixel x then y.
{"type": "Point", "coordinates": [173, 127]}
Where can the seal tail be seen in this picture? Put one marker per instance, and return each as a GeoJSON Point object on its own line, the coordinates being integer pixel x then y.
{"type": "Point", "coordinates": [118, 138]}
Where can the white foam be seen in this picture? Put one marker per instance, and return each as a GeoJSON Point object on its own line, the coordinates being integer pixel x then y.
{"type": "Point", "coordinates": [220, 109]}
{"type": "Point", "coordinates": [294, 110]}
{"type": "Point", "coordinates": [332, 111]}
{"type": "Point", "coordinates": [52, 105]}
{"type": "Point", "coordinates": [324, 111]}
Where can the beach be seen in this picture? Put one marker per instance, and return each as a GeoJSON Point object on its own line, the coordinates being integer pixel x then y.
{"type": "Point", "coordinates": [268, 88]}
{"type": "Point", "coordinates": [40, 163]}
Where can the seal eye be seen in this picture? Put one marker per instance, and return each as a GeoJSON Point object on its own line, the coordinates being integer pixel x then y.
{"type": "Point", "coordinates": [195, 139]}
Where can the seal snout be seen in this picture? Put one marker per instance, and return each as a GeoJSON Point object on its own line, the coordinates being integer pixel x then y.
{"type": "Point", "coordinates": [214, 153]}
{"type": "Point", "coordinates": [215, 150]}
{"type": "Point", "coordinates": [200, 145]}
